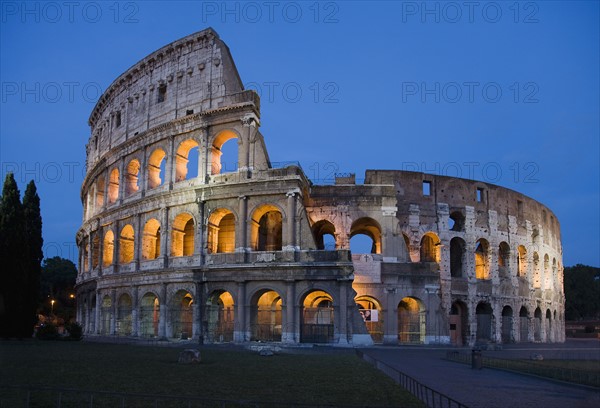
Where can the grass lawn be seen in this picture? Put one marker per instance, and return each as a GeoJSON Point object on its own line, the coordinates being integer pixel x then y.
{"type": "Point", "coordinates": [310, 378]}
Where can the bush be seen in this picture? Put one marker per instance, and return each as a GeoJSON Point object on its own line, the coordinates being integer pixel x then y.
{"type": "Point", "coordinates": [47, 331]}
{"type": "Point", "coordinates": [75, 331]}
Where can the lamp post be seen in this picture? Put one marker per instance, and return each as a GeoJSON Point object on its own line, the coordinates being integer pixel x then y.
{"type": "Point", "coordinates": [52, 306]}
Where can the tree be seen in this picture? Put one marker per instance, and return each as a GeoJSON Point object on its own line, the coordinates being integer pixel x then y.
{"type": "Point", "coordinates": [33, 233]}
{"type": "Point", "coordinates": [58, 281]}
{"type": "Point", "coordinates": [13, 252]}
{"type": "Point", "coordinates": [582, 292]}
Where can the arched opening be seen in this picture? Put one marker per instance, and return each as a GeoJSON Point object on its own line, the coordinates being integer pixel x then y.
{"type": "Point", "coordinates": [265, 322]}
{"type": "Point", "coordinates": [459, 324]}
{"type": "Point", "coordinates": [317, 318]}
{"type": "Point", "coordinates": [126, 244]}
{"type": "Point", "coordinates": [407, 244]}
{"type": "Point", "coordinates": [266, 233]}
{"type": "Point", "coordinates": [429, 248]}
{"type": "Point", "coordinates": [151, 240]}
{"type": "Point", "coordinates": [105, 315]}
{"type": "Point", "coordinates": [108, 248]}
{"type": "Point", "coordinates": [124, 307]}
{"type": "Point", "coordinates": [484, 321]}
{"type": "Point", "coordinates": [149, 315]}
{"type": "Point", "coordinates": [537, 325]}
{"type": "Point", "coordinates": [219, 315]}
{"type": "Point", "coordinates": [324, 234]}
{"type": "Point", "coordinates": [224, 155]}
{"type": "Point", "coordinates": [504, 260]}
{"type": "Point", "coordinates": [370, 310]}
{"type": "Point", "coordinates": [365, 227]}
{"type": "Point", "coordinates": [522, 261]}
{"type": "Point", "coordinates": [411, 321]}
{"type": "Point", "coordinates": [99, 193]}
{"type": "Point", "coordinates": [507, 324]}
{"type": "Point", "coordinates": [523, 324]}
{"type": "Point", "coordinates": [182, 315]}
{"type": "Point", "coordinates": [182, 236]}
{"type": "Point", "coordinates": [221, 231]}
{"type": "Point", "coordinates": [187, 160]}
{"type": "Point", "coordinates": [156, 168]}
{"type": "Point", "coordinates": [95, 250]}
{"type": "Point", "coordinates": [457, 257]}
{"type": "Point", "coordinates": [113, 186]}
{"type": "Point", "coordinates": [131, 177]}
{"type": "Point", "coordinates": [482, 269]}
{"type": "Point", "coordinates": [456, 221]}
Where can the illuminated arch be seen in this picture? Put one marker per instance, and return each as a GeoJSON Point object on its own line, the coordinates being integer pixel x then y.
{"type": "Point", "coordinates": [156, 168]}
{"type": "Point", "coordinates": [126, 244]}
{"type": "Point", "coordinates": [182, 235]}
{"type": "Point", "coordinates": [369, 227]}
{"type": "Point", "coordinates": [324, 234]}
{"type": "Point", "coordinates": [430, 248]}
{"type": "Point", "coordinates": [267, 228]}
{"type": "Point", "coordinates": [217, 151]}
{"type": "Point", "coordinates": [131, 177]}
{"type": "Point", "coordinates": [113, 186]}
{"type": "Point", "coordinates": [151, 240]}
{"type": "Point", "coordinates": [221, 231]}
{"type": "Point", "coordinates": [482, 264]}
{"type": "Point", "coordinates": [182, 159]}
{"type": "Point", "coordinates": [108, 248]}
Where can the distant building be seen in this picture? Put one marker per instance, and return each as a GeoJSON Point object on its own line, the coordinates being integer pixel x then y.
{"type": "Point", "coordinates": [175, 244]}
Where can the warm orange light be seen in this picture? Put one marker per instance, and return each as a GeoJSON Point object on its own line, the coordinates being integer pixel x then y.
{"type": "Point", "coordinates": [72, 296]}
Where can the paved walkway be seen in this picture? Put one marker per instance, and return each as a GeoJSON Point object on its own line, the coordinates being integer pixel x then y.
{"type": "Point", "coordinates": [490, 388]}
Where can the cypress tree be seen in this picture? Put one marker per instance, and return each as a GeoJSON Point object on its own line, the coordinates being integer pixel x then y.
{"type": "Point", "coordinates": [14, 255]}
{"type": "Point", "coordinates": [33, 231]}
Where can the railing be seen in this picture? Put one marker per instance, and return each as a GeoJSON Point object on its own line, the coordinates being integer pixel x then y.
{"type": "Point", "coordinates": [429, 396]}
{"type": "Point", "coordinates": [31, 396]}
{"type": "Point", "coordinates": [591, 378]}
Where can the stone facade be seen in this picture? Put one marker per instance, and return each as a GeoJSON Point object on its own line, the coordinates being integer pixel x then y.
{"type": "Point", "coordinates": [176, 245]}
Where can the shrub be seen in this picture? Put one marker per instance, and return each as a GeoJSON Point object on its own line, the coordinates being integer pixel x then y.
{"type": "Point", "coordinates": [75, 331]}
{"type": "Point", "coordinates": [47, 331]}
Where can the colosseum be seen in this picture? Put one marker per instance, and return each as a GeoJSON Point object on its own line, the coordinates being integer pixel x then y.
{"type": "Point", "coordinates": [176, 246]}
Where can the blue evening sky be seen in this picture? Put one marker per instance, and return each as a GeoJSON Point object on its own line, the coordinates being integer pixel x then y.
{"type": "Point", "coordinates": [503, 92]}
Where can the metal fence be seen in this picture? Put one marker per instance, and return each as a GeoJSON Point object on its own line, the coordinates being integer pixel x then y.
{"type": "Point", "coordinates": [584, 377]}
{"type": "Point", "coordinates": [430, 397]}
{"type": "Point", "coordinates": [15, 396]}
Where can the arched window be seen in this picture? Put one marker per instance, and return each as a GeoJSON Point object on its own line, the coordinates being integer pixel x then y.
{"type": "Point", "coordinates": [429, 248]}
{"type": "Point", "coordinates": [411, 321]}
{"type": "Point", "coordinates": [324, 234]}
{"type": "Point", "coordinates": [131, 177]}
{"type": "Point", "coordinates": [537, 278]}
{"type": "Point", "coordinates": [182, 315]}
{"type": "Point", "coordinates": [95, 250]}
{"type": "Point", "coordinates": [457, 257]}
{"type": "Point", "coordinates": [124, 307]}
{"type": "Point", "coordinates": [151, 240]}
{"type": "Point", "coordinates": [481, 259]}
{"type": "Point", "coordinates": [113, 186]}
{"type": "Point", "coordinates": [267, 228]}
{"type": "Point", "coordinates": [266, 316]}
{"type": "Point", "coordinates": [126, 244]}
{"type": "Point", "coordinates": [221, 231]}
{"type": "Point", "coordinates": [366, 227]}
{"type": "Point", "coordinates": [317, 318]}
{"type": "Point", "coordinates": [99, 193]}
{"type": "Point", "coordinates": [108, 248]}
{"type": "Point", "coordinates": [156, 168]}
{"type": "Point", "coordinates": [187, 160]}
{"type": "Point", "coordinates": [224, 158]}
{"type": "Point", "coordinates": [182, 237]}
{"type": "Point", "coordinates": [457, 221]}
{"type": "Point", "coordinates": [503, 254]}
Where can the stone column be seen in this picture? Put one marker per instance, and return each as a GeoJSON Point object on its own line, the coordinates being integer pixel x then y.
{"type": "Point", "coordinates": [164, 236]}
{"type": "Point", "coordinates": [89, 254]}
{"type": "Point", "coordinates": [240, 331]}
{"type": "Point", "coordinates": [390, 335]}
{"type": "Point", "coordinates": [137, 241]}
{"type": "Point", "coordinates": [289, 325]}
{"type": "Point", "coordinates": [113, 317]}
{"type": "Point", "coordinates": [341, 317]}
{"type": "Point", "coordinates": [135, 324]}
{"type": "Point", "coordinates": [289, 243]}
{"type": "Point", "coordinates": [97, 317]}
{"type": "Point", "coordinates": [241, 235]}
{"type": "Point", "coordinates": [170, 165]}
{"type": "Point", "coordinates": [163, 312]}
{"type": "Point", "coordinates": [197, 312]}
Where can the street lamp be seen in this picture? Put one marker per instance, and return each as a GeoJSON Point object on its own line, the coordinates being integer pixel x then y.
{"type": "Point", "coordinates": [52, 306]}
